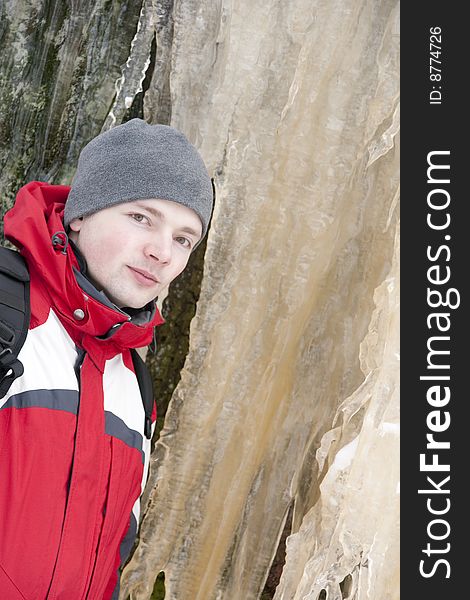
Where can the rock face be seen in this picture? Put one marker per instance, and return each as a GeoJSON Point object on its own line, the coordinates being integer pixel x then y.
{"type": "Point", "coordinates": [289, 392]}
{"type": "Point", "coordinates": [61, 62]}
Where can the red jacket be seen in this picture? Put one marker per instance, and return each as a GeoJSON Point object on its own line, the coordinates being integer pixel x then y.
{"type": "Point", "coordinates": [73, 454]}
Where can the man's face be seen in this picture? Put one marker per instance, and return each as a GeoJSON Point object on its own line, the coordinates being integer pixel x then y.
{"type": "Point", "coordinates": [135, 249]}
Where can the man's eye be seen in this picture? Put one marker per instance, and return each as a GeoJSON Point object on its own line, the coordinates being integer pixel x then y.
{"type": "Point", "coordinates": [138, 217]}
{"type": "Point", "coordinates": [184, 241]}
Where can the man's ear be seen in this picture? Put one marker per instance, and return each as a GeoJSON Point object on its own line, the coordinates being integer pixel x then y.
{"type": "Point", "coordinates": [76, 224]}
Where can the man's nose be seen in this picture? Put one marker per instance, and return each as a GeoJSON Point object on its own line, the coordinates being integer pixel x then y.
{"type": "Point", "coordinates": [160, 248]}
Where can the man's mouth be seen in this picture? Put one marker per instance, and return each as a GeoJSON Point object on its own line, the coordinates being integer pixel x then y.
{"type": "Point", "coordinates": [144, 277]}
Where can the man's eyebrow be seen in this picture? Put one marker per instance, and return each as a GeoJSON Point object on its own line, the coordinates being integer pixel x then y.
{"type": "Point", "coordinates": [157, 213]}
{"type": "Point", "coordinates": [191, 231]}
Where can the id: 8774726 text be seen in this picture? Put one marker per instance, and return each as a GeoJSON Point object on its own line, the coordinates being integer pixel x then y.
{"type": "Point", "coordinates": [435, 65]}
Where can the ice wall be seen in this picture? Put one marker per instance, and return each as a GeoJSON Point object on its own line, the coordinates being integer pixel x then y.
{"type": "Point", "coordinates": [347, 545]}
{"type": "Point", "coordinates": [289, 389]}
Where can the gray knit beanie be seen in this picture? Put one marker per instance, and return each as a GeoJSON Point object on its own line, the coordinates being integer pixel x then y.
{"type": "Point", "coordinates": [138, 161]}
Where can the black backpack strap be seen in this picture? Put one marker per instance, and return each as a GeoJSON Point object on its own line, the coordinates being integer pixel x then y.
{"type": "Point", "coordinates": [14, 315]}
{"type": "Point", "coordinates": [146, 390]}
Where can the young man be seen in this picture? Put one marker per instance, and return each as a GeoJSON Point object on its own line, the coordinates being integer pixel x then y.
{"type": "Point", "coordinates": [73, 450]}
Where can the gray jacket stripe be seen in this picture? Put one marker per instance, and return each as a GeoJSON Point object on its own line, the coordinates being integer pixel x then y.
{"type": "Point", "coordinates": [117, 428]}
{"type": "Point", "coordinates": [66, 400]}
